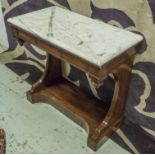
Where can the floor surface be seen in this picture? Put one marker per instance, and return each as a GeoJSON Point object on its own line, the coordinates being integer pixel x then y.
{"type": "Point", "coordinates": [2, 48]}
{"type": "Point", "coordinates": [39, 128]}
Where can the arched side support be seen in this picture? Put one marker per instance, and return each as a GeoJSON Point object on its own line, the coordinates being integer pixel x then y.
{"type": "Point", "coordinates": [52, 74]}
{"type": "Point", "coordinates": [116, 111]}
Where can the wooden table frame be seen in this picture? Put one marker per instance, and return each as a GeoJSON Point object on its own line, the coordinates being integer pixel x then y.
{"type": "Point", "coordinates": [98, 119]}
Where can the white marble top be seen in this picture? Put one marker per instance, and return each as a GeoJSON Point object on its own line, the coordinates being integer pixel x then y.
{"type": "Point", "coordinates": [89, 39]}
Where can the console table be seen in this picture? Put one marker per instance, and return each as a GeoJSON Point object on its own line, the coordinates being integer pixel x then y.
{"type": "Point", "coordinates": [89, 45]}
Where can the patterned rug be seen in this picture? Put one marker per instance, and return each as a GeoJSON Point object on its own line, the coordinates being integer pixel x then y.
{"type": "Point", "coordinates": [137, 134]}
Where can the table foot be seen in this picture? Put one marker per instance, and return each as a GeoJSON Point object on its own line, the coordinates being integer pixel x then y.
{"type": "Point", "coordinates": [97, 138]}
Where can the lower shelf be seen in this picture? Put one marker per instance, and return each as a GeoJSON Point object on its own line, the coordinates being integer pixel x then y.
{"type": "Point", "coordinates": [73, 102]}
{"type": "Point", "coordinates": [83, 108]}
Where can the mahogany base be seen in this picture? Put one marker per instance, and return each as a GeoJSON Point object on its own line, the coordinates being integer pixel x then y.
{"type": "Point", "coordinates": [81, 107]}
{"type": "Point", "coordinates": [97, 118]}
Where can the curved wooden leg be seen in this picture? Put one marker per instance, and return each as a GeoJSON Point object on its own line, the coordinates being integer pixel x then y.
{"type": "Point", "coordinates": [52, 74]}
{"type": "Point", "coordinates": [2, 141]}
{"type": "Point", "coordinates": [115, 113]}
